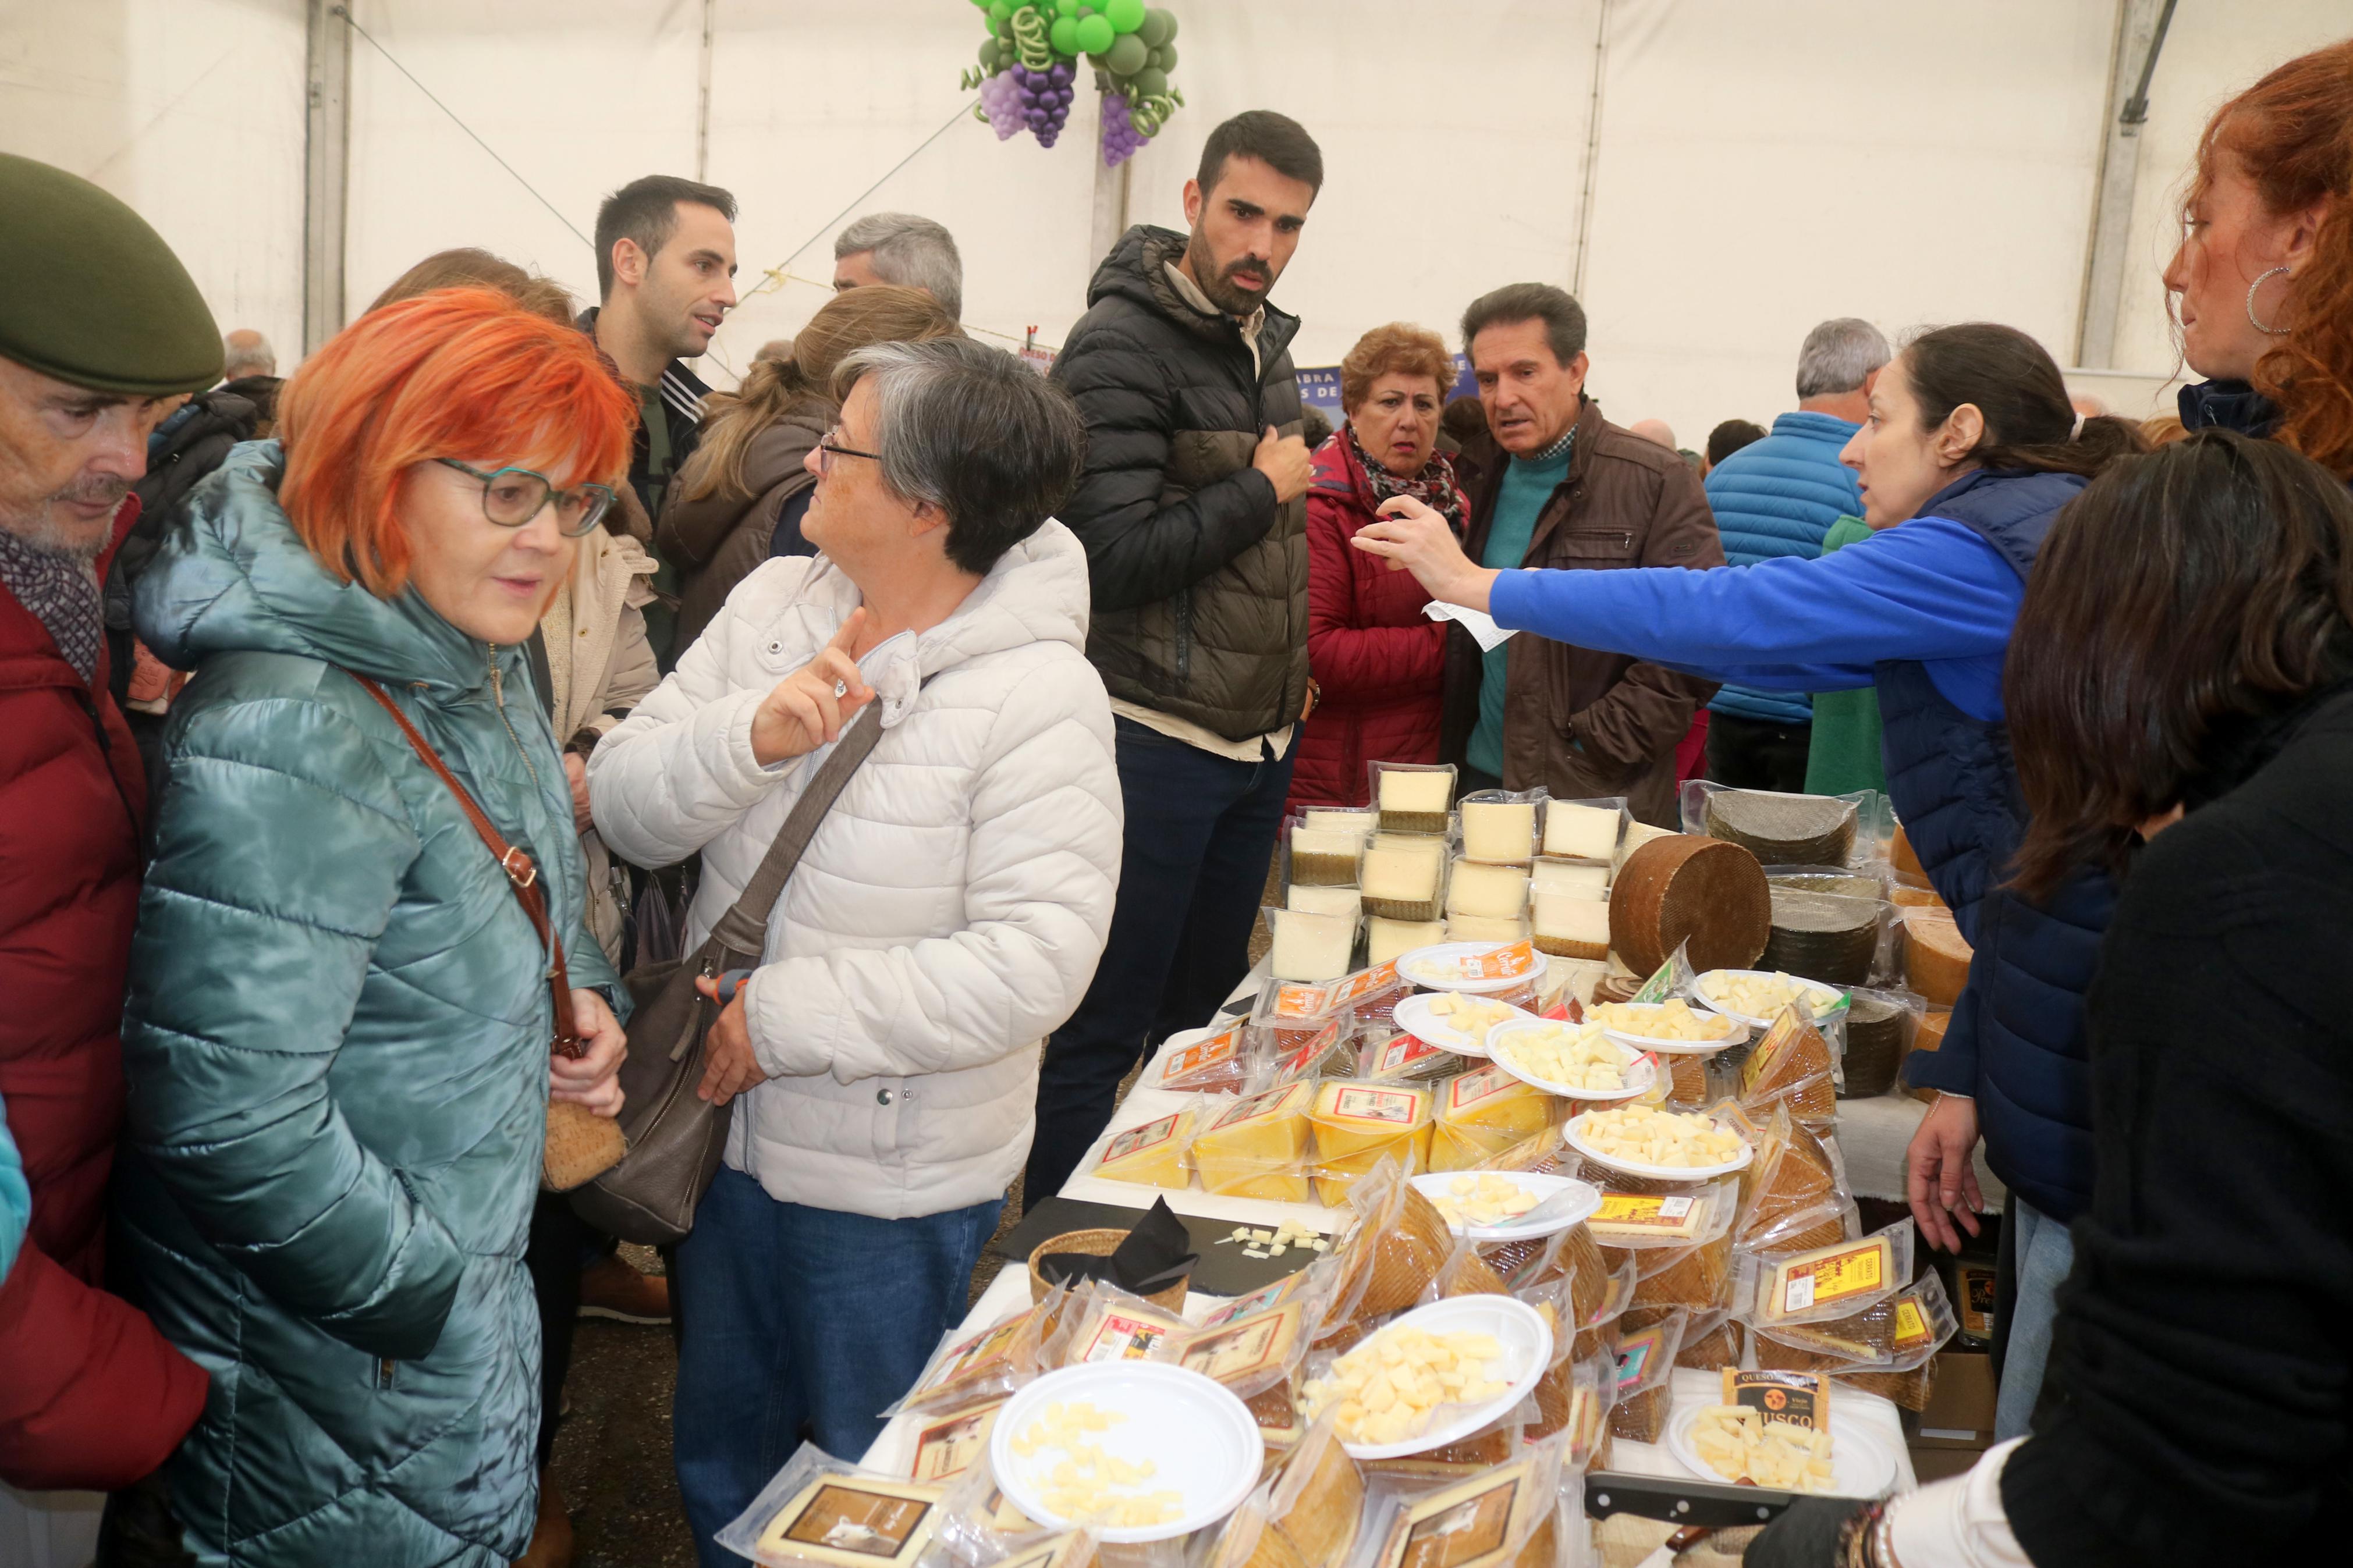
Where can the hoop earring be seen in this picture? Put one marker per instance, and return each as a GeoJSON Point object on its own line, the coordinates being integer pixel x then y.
{"type": "Point", "coordinates": [2252, 320]}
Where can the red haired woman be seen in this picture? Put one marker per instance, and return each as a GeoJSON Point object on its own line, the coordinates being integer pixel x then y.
{"type": "Point", "coordinates": [2264, 278]}
{"type": "Point", "coordinates": [1379, 662]}
{"type": "Point", "coordinates": [337, 1032]}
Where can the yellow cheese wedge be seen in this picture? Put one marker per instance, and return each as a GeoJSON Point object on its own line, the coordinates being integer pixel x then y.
{"type": "Point", "coordinates": [1358, 1124]}
{"type": "Point", "coordinates": [1637, 835]}
{"type": "Point", "coordinates": [1385, 939]}
{"type": "Point", "coordinates": [1257, 1147]}
{"type": "Point", "coordinates": [1580, 832]}
{"type": "Point", "coordinates": [1416, 792]}
{"type": "Point", "coordinates": [1503, 832]}
{"type": "Point", "coordinates": [1491, 892]}
{"type": "Point", "coordinates": [1310, 946]}
{"type": "Point", "coordinates": [1151, 1155]}
{"type": "Point", "coordinates": [1481, 1114]}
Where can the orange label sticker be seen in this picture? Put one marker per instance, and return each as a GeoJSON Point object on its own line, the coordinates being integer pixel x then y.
{"type": "Point", "coordinates": [1390, 1105]}
{"type": "Point", "coordinates": [1507, 961]}
{"type": "Point", "coordinates": [1404, 1051]}
{"type": "Point", "coordinates": [1217, 1047]}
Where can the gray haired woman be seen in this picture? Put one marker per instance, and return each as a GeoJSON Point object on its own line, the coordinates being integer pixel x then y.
{"type": "Point", "coordinates": [945, 918]}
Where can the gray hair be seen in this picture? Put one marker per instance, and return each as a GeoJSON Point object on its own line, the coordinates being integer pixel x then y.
{"type": "Point", "coordinates": [911, 251]}
{"type": "Point", "coordinates": [253, 358]}
{"type": "Point", "coordinates": [1838, 354]}
{"type": "Point", "coordinates": [1563, 317]}
{"type": "Point", "coordinates": [976, 433]}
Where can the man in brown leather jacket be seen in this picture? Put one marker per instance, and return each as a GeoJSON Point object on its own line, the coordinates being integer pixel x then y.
{"type": "Point", "coordinates": [1558, 486]}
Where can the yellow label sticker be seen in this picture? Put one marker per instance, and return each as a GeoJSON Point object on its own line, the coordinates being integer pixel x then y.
{"type": "Point", "coordinates": [1911, 1327]}
{"type": "Point", "coordinates": [1857, 1271]}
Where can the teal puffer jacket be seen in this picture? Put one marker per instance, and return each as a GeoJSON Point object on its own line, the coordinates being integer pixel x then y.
{"type": "Point", "coordinates": [336, 1043]}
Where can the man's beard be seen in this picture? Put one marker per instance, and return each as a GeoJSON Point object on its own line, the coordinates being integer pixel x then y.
{"type": "Point", "coordinates": [44, 528]}
{"type": "Point", "coordinates": [1216, 286]}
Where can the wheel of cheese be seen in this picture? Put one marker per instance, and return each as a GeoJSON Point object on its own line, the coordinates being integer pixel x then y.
{"type": "Point", "coordinates": [1825, 936]}
{"type": "Point", "coordinates": [1784, 829]}
{"type": "Point", "coordinates": [1874, 1046]}
{"type": "Point", "coordinates": [1900, 854]}
{"type": "Point", "coordinates": [1685, 887]}
{"type": "Point", "coordinates": [1936, 956]}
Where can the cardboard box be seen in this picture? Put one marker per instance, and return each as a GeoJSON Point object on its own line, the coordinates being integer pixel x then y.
{"type": "Point", "coordinates": [1957, 1425]}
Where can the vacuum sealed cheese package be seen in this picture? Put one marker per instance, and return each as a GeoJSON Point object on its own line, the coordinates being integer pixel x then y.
{"type": "Point", "coordinates": [1358, 1124]}
{"type": "Point", "coordinates": [1151, 1154]}
{"type": "Point", "coordinates": [1784, 829]}
{"type": "Point", "coordinates": [974, 1366]}
{"type": "Point", "coordinates": [1772, 1291]}
{"type": "Point", "coordinates": [1413, 798]}
{"type": "Point", "coordinates": [949, 1445]}
{"type": "Point", "coordinates": [1680, 1244]}
{"type": "Point", "coordinates": [1389, 1256]}
{"type": "Point", "coordinates": [1394, 1056]}
{"type": "Point", "coordinates": [1481, 1112]}
{"type": "Point", "coordinates": [1256, 1146]}
{"type": "Point", "coordinates": [823, 1512]}
{"type": "Point", "coordinates": [1495, 1518]}
{"type": "Point", "coordinates": [1877, 1348]}
{"type": "Point", "coordinates": [1792, 1063]}
{"type": "Point", "coordinates": [1104, 1322]}
{"type": "Point", "coordinates": [1646, 1364]}
{"type": "Point", "coordinates": [1499, 826]}
{"type": "Point", "coordinates": [1212, 1065]}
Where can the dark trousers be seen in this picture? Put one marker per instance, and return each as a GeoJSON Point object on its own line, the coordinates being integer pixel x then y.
{"type": "Point", "coordinates": [1749, 753]}
{"type": "Point", "coordinates": [560, 1243]}
{"type": "Point", "coordinates": [1201, 829]}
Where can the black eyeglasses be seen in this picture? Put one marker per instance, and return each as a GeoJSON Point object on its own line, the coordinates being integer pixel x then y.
{"type": "Point", "coordinates": [830, 448]}
{"type": "Point", "coordinates": [512, 497]}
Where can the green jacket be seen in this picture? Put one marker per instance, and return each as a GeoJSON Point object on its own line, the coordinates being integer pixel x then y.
{"type": "Point", "coordinates": [1844, 755]}
{"type": "Point", "coordinates": [336, 1043]}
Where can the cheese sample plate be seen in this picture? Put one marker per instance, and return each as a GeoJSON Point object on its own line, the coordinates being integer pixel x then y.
{"type": "Point", "coordinates": [1439, 967]}
{"type": "Point", "coordinates": [1736, 1034]}
{"type": "Point", "coordinates": [1639, 1072]}
{"type": "Point", "coordinates": [1200, 1441]}
{"type": "Point", "coordinates": [1521, 1333]}
{"type": "Point", "coordinates": [1829, 1001]}
{"type": "Point", "coordinates": [1439, 1184]}
{"type": "Point", "coordinates": [1414, 1015]}
{"type": "Point", "coordinates": [1861, 1463]}
{"type": "Point", "coordinates": [1571, 1135]}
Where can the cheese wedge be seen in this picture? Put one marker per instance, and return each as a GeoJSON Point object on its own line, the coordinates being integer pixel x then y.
{"type": "Point", "coordinates": [850, 1520]}
{"type": "Point", "coordinates": [1414, 800]}
{"type": "Point", "coordinates": [1580, 832]}
{"type": "Point", "coordinates": [1481, 1114]}
{"type": "Point", "coordinates": [1309, 946]}
{"type": "Point", "coordinates": [1480, 927]}
{"type": "Point", "coordinates": [1591, 881]}
{"type": "Point", "coordinates": [1323, 857]}
{"type": "Point", "coordinates": [1490, 892]}
{"type": "Point", "coordinates": [1360, 1124]}
{"type": "Point", "coordinates": [1257, 1147]}
{"type": "Point", "coordinates": [1151, 1155]}
{"type": "Point", "coordinates": [1357, 821]}
{"type": "Point", "coordinates": [1386, 939]}
{"type": "Point", "coordinates": [1935, 955]}
{"type": "Point", "coordinates": [1571, 925]}
{"type": "Point", "coordinates": [1502, 832]}
{"type": "Point", "coordinates": [1400, 875]}
{"type": "Point", "coordinates": [1313, 900]}
{"type": "Point", "coordinates": [1637, 835]}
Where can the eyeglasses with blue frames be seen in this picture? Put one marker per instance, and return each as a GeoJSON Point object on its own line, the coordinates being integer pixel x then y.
{"type": "Point", "coordinates": [832, 447]}
{"type": "Point", "coordinates": [512, 497]}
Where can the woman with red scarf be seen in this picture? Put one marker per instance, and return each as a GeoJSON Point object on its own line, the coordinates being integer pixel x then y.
{"type": "Point", "coordinates": [1376, 661]}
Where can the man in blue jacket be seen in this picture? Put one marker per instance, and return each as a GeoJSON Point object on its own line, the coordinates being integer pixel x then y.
{"type": "Point", "coordinates": [1777, 497]}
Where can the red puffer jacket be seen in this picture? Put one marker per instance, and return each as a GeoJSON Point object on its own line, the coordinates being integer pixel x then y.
{"type": "Point", "coordinates": [1379, 662]}
{"type": "Point", "coordinates": [90, 1394]}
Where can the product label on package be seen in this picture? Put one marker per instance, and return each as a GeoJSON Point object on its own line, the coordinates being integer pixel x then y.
{"type": "Point", "coordinates": [1468, 1090]}
{"type": "Point", "coordinates": [1387, 1105]}
{"type": "Point", "coordinates": [1265, 1298]}
{"type": "Point", "coordinates": [1318, 1045]}
{"type": "Point", "coordinates": [1911, 1327]}
{"type": "Point", "coordinates": [1775, 1043]}
{"type": "Point", "coordinates": [1800, 1398]}
{"type": "Point", "coordinates": [1508, 962]}
{"type": "Point", "coordinates": [1644, 1213]}
{"type": "Point", "coordinates": [1293, 1000]}
{"type": "Point", "coordinates": [1270, 1103]}
{"type": "Point", "coordinates": [1251, 1345]}
{"type": "Point", "coordinates": [1635, 1356]}
{"type": "Point", "coordinates": [952, 1446]}
{"type": "Point", "coordinates": [1217, 1049]}
{"type": "Point", "coordinates": [1135, 1140]}
{"type": "Point", "coordinates": [1403, 1052]}
{"type": "Point", "coordinates": [1859, 1270]}
{"type": "Point", "coordinates": [1119, 1338]}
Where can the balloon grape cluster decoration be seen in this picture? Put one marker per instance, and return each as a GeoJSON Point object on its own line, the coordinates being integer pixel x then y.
{"type": "Point", "coordinates": [1030, 66]}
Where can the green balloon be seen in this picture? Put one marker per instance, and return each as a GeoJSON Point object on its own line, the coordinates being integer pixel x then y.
{"type": "Point", "coordinates": [1150, 82]}
{"type": "Point", "coordinates": [1154, 29]}
{"type": "Point", "coordinates": [999, 13]}
{"type": "Point", "coordinates": [1127, 55]}
{"type": "Point", "coordinates": [989, 54]}
{"type": "Point", "coordinates": [1168, 53]}
{"type": "Point", "coordinates": [1172, 21]}
{"type": "Point", "coordinates": [1064, 34]}
{"type": "Point", "coordinates": [1124, 16]}
{"type": "Point", "coordinates": [1067, 8]}
{"type": "Point", "coordinates": [1096, 35]}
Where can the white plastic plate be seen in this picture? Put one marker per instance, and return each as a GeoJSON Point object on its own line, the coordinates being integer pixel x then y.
{"type": "Point", "coordinates": [1413, 1016]}
{"type": "Point", "coordinates": [1412, 965]}
{"type": "Point", "coordinates": [1828, 999]}
{"type": "Point", "coordinates": [1678, 1048]}
{"type": "Point", "coordinates": [1441, 1184]}
{"type": "Point", "coordinates": [1639, 1072]}
{"type": "Point", "coordinates": [1202, 1439]}
{"type": "Point", "coordinates": [1519, 1331]}
{"type": "Point", "coordinates": [1574, 1132]}
{"type": "Point", "coordinates": [1861, 1463]}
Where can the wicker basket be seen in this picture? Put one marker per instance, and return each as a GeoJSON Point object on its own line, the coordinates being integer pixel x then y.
{"type": "Point", "coordinates": [1095, 1244]}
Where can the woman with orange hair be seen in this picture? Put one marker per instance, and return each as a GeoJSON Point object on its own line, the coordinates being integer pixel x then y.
{"type": "Point", "coordinates": [2263, 280]}
{"type": "Point", "coordinates": [338, 1031]}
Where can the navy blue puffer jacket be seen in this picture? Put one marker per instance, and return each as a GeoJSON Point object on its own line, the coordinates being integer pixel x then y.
{"type": "Point", "coordinates": [2017, 1038]}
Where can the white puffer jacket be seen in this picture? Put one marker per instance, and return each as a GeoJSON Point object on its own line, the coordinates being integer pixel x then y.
{"type": "Point", "coordinates": [948, 913]}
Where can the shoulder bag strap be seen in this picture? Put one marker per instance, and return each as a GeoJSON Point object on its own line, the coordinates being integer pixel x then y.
{"type": "Point", "coordinates": [523, 876]}
{"type": "Point", "coordinates": [744, 928]}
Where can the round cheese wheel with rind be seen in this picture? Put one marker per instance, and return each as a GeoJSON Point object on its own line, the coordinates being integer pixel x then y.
{"type": "Point", "coordinates": [1936, 956]}
{"type": "Point", "coordinates": [1685, 887]}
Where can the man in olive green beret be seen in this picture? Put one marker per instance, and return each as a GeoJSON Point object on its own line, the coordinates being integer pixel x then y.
{"type": "Point", "coordinates": [100, 332]}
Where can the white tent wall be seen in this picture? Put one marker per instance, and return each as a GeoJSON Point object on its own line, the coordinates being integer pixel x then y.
{"type": "Point", "coordinates": [191, 111]}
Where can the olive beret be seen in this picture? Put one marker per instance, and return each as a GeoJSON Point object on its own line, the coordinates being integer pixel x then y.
{"type": "Point", "coordinates": [93, 296]}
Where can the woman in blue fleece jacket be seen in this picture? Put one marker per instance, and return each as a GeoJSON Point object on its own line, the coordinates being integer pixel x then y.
{"type": "Point", "coordinates": [1971, 447]}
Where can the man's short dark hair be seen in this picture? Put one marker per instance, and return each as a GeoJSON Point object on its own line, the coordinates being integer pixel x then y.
{"type": "Point", "coordinates": [1279, 141]}
{"type": "Point", "coordinates": [1563, 317]}
{"type": "Point", "coordinates": [1729, 437]}
{"type": "Point", "coordinates": [646, 211]}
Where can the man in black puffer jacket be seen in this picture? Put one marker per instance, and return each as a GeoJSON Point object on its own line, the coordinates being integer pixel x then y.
{"type": "Point", "coordinates": [1192, 509]}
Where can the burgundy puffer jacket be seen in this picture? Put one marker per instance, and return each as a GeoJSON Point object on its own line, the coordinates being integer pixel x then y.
{"type": "Point", "coordinates": [1380, 662]}
{"type": "Point", "coordinates": [90, 1394]}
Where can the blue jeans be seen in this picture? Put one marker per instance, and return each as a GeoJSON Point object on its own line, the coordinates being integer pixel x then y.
{"type": "Point", "coordinates": [2045, 1252]}
{"type": "Point", "coordinates": [1200, 833]}
{"type": "Point", "coordinates": [799, 1318]}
